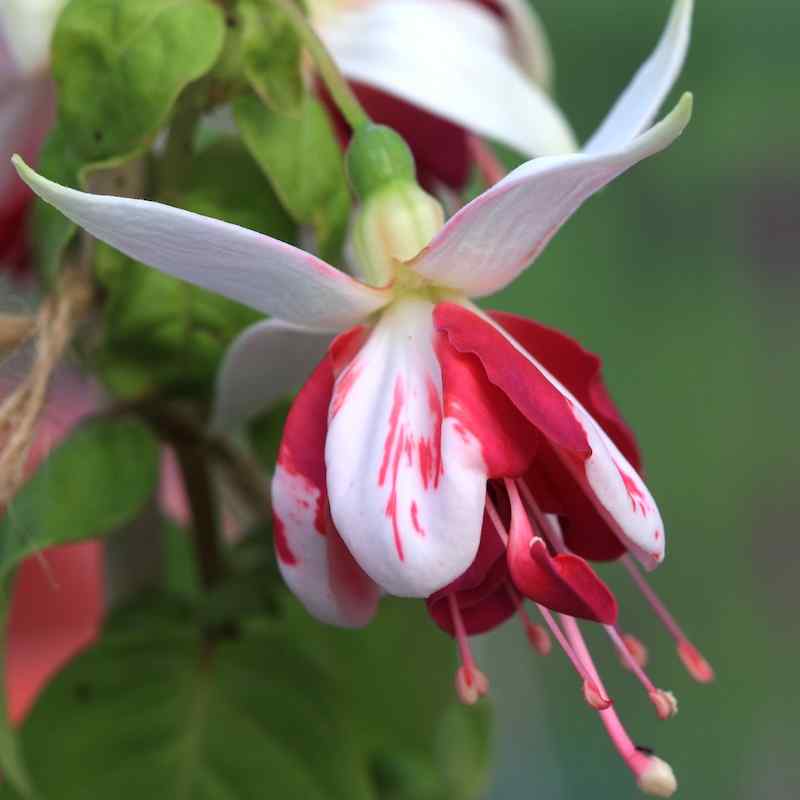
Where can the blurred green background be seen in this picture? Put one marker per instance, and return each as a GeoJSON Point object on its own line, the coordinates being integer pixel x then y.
{"type": "Point", "coordinates": [682, 275]}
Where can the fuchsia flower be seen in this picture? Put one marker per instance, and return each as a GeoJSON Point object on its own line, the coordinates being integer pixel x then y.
{"type": "Point", "coordinates": [58, 602]}
{"type": "Point", "coordinates": [423, 401]}
{"type": "Point", "coordinates": [431, 69]}
{"type": "Point", "coordinates": [26, 110]}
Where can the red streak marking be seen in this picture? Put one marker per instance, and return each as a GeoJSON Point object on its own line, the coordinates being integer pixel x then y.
{"type": "Point", "coordinates": [638, 501]}
{"type": "Point", "coordinates": [430, 449]}
{"type": "Point", "coordinates": [415, 518]}
{"type": "Point", "coordinates": [391, 503]}
{"type": "Point", "coordinates": [343, 387]}
{"type": "Point", "coordinates": [657, 535]}
{"type": "Point", "coordinates": [394, 417]}
{"type": "Point", "coordinates": [282, 548]}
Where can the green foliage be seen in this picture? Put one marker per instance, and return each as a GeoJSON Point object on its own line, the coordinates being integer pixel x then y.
{"type": "Point", "coordinates": [156, 711]}
{"type": "Point", "coordinates": [302, 159]}
{"type": "Point", "coordinates": [94, 482]}
{"type": "Point", "coordinates": [396, 680]}
{"type": "Point", "coordinates": [52, 230]}
{"type": "Point", "coordinates": [287, 708]}
{"type": "Point", "coordinates": [272, 56]}
{"type": "Point", "coordinates": [131, 58]}
{"type": "Point", "coordinates": [161, 332]}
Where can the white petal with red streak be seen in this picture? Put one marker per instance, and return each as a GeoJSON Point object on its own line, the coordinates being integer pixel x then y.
{"type": "Point", "coordinates": [406, 487]}
{"type": "Point", "coordinates": [266, 362]}
{"type": "Point", "coordinates": [638, 105]}
{"type": "Point", "coordinates": [312, 558]}
{"type": "Point", "coordinates": [257, 270]}
{"type": "Point", "coordinates": [315, 564]}
{"type": "Point", "coordinates": [612, 484]}
{"type": "Point", "coordinates": [453, 59]}
{"type": "Point", "coordinates": [496, 236]}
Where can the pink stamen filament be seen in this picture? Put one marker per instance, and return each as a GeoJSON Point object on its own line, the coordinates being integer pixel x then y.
{"type": "Point", "coordinates": [630, 662]}
{"type": "Point", "coordinates": [486, 161]}
{"type": "Point", "coordinates": [637, 761]}
{"type": "Point", "coordinates": [701, 670]}
{"type": "Point", "coordinates": [471, 683]}
{"type": "Point", "coordinates": [545, 612]}
{"type": "Point", "coordinates": [540, 521]}
{"type": "Point", "coordinates": [465, 653]}
{"type": "Point", "coordinates": [537, 635]}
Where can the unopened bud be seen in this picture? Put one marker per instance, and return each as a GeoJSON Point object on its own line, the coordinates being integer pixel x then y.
{"type": "Point", "coordinates": [471, 685]}
{"type": "Point", "coordinates": [376, 157]}
{"type": "Point", "coordinates": [594, 697]}
{"type": "Point", "coordinates": [665, 702]}
{"type": "Point", "coordinates": [657, 779]}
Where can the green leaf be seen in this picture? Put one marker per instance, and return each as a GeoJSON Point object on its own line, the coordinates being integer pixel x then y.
{"type": "Point", "coordinates": [121, 64]}
{"type": "Point", "coordinates": [271, 56]}
{"type": "Point", "coordinates": [396, 679]}
{"type": "Point", "coordinates": [302, 159]}
{"type": "Point", "coordinates": [94, 482]}
{"type": "Point", "coordinates": [155, 711]}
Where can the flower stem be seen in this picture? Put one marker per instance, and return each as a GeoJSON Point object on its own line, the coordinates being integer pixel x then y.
{"type": "Point", "coordinates": [339, 89]}
{"type": "Point", "coordinates": [200, 494]}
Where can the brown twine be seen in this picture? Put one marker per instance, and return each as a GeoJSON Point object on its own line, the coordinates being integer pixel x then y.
{"type": "Point", "coordinates": [52, 329]}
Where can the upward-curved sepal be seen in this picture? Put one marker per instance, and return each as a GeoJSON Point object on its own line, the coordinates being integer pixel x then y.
{"type": "Point", "coordinates": [495, 237]}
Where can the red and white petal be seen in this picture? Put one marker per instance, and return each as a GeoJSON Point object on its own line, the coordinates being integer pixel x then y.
{"type": "Point", "coordinates": [311, 556]}
{"type": "Point", "coordinates": [611, 483]}
{"type": "Point", "coordinates": [508, 440]}
{"type": "Point", "coordinates": [449, 58]}
{"type": "Point", "coordinates": [267, 361]}
{"type": "Point", "coordinates": [406, 484]}
{"type": "Point", "coordinates": [257, 270]}
{"type": "Point", "coordinates": [491, 240]}
{"type": "Point", "coordinates": [638, 105]}
{"type": "Point", "coordinates": [580, 370]}
{"type": "Point", "coordinates": [57, 608]}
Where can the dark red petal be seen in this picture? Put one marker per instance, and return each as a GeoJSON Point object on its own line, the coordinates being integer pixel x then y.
{"type": "Point", "coordinates": [481, 592]}
{"type": "Point", "coordinates": [563, 583]}
{"type": "Point", "coordinates": [509, 442]}
{"type": "Point", "coordinates": [579, 370]}
{"type": "Point", "coordinates": [508, 369]}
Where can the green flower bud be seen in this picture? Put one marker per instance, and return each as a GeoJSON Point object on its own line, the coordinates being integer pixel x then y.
{"type": "Point", "coordinates": [376, 157]}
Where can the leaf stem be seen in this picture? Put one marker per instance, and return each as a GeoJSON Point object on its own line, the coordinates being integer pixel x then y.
{"type": "Point", "coordinates": [339, 89]}
{"type": "Point", "coordinates": [174, 164]}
